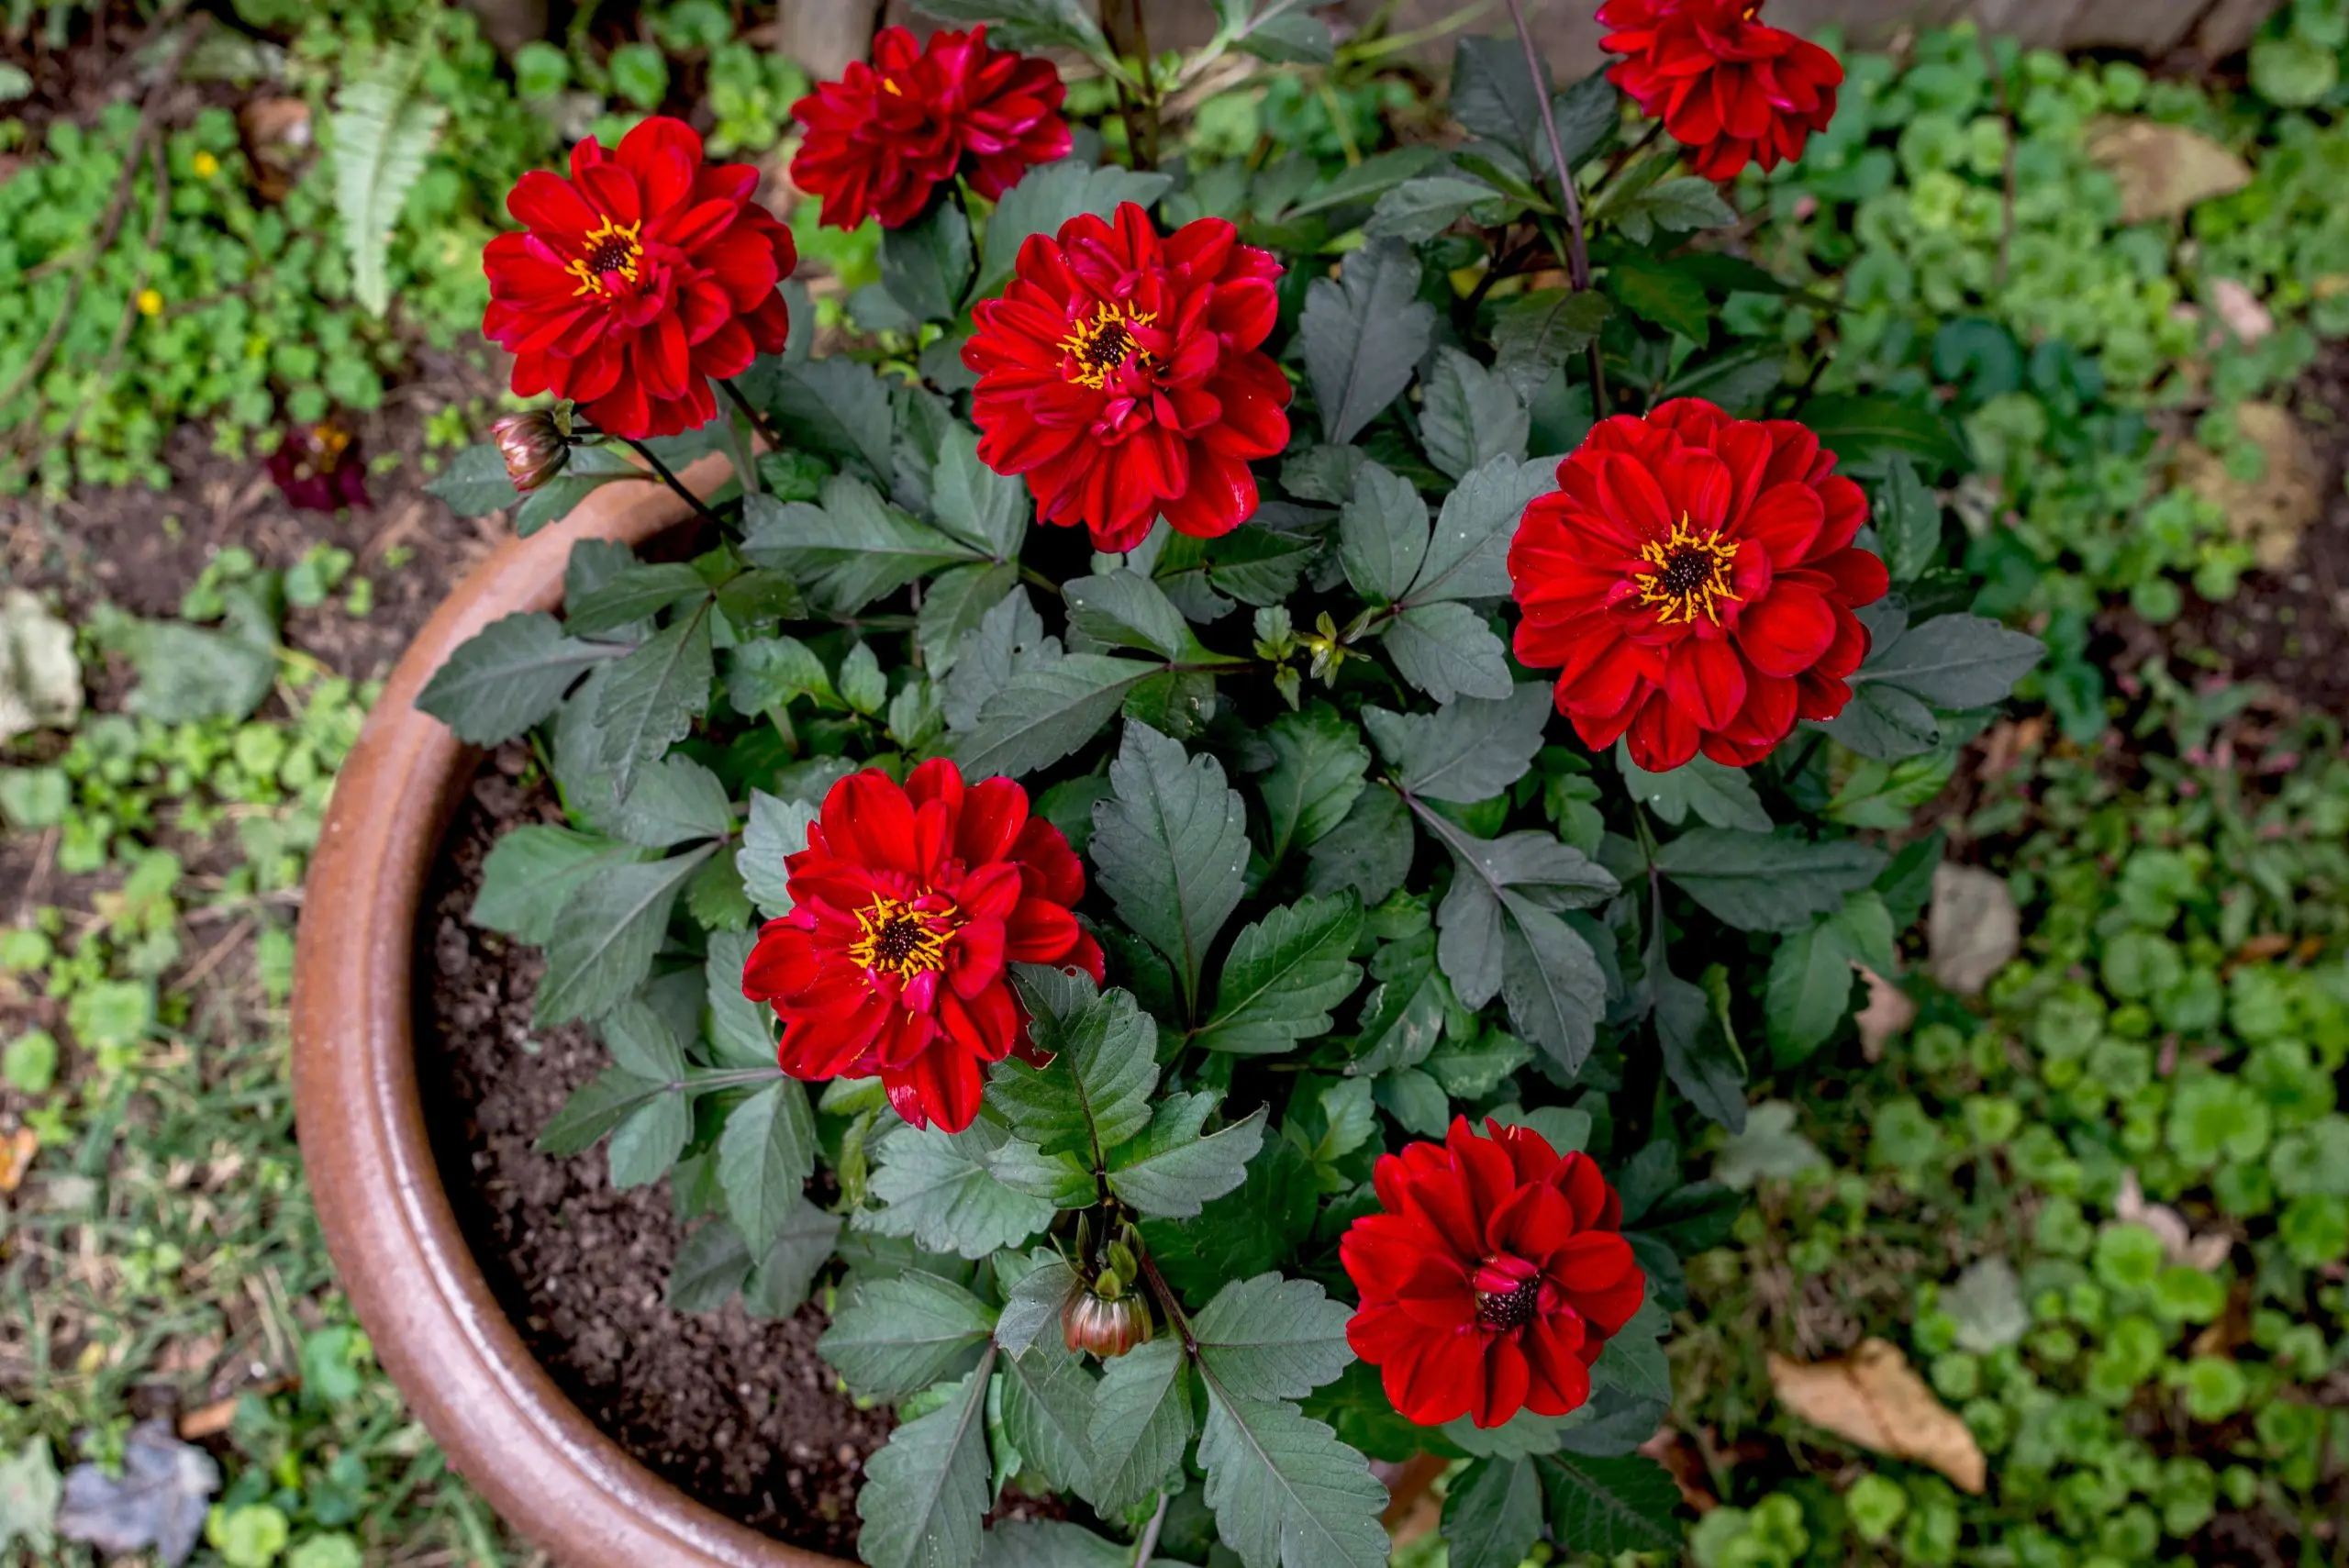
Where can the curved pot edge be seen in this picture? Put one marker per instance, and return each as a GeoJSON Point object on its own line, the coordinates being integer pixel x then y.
{"type": "Point", "coordinates": [387, 1220]}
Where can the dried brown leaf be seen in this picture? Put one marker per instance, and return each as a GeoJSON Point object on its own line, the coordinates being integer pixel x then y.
{"type": "Point", "coordinates": [2180, 1244]}
{"type": "Point", "coordinates": [17, 1151]}
{"type": "Point", "coordinates": [2163, 170]}
{"type": "Point", "coordinates": [2271, 513]}
{"type": "Point", "coordinates": [1872, 1398]}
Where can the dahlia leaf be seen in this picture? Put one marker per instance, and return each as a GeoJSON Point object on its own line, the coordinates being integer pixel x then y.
{"type": "Point", "coordinates": [1270, 1338]}
{"type": "Point", "coordinates": [1261, 565]}
{"type": "Point", "coordinates": [1809, 991]}
{"type": "Point", "coordinates": [1470, 947]}
{"type": "Point", "coordinates": [764, 1158]}
{"type": "Point", "coordinates": [1495, 95]}
{"type": "Point", "coordinates": [1315, 778]}
{"type": "Point", "coordinates": [1721, 797]}
{"type": "Point", "coordinates": [1675, 206]}
{"type": "Point", "coordinates": [1031, 1307]}
{"type": "Point", "coordinates": [956, 603]}
{"type": "Point", "coordinates": [594, 1110]}
{"type": "Point", "coordinates": [1026, 24]}
{"type": "Point", "coordinates": [767, 673]}
{"type": "Point", "coordinates": [715, 897]}
{"type": "Point", "coordinates": [383, 129]}
{"type": "Point", "coordinates": [1141, 1423]}
{"type": "Point", "coordinates": [1061, 1180]}
{"type": "Point", "coordinates": [1534, 333]}
{"type": "Point", "coordinates": [1885, 724]}
{"type": "Point", "coordinates": [1171, 1171]}
{"type": "Point", "coordinates": [1656, 289]}
{"type": "Point", "coordinates": [636, 593]}
{"type": "Point", "coordinates": [676, 801]}
{"type": "Point", "coordinates": [924, 1494]}
{"type": "Point", "coordinates": [1045, 711]}
{"type": "Point", "coordinates": [1908, 521]}
{"type": "Point", "coordinates": [1370, 852]}
{"type": "Point", "coordinates": [653, 696]}
{"type": "Point", "coordinates": [1857, 429]}
{"type": "Point", "coordinates": [924, 265]}
{"type": "Point", "coordinates": [1607, 1505]}
{"type": "Point", "coordinates": [1773, 882]}
{"type": "Point", "coordinates": [1050, 1543]}
{"type": "Point", "coordinates": [1468, 552]}
{"type": "Point", "coordinates": [473, 483]}
{"type": "Point", "coordinates": [1323, 473]}
{"type": "Point", "coordinates": [1126, 609]}
{"type": "Point", "coordinates": [1285, 1492]}
{"type": "Point", "coordinates": [971, 501]}
{"type": "Point", "coordinates": [781, 1277]}
{"type": "Point", "coordinates": [1047, 1407]}
{"type": "Point", "coordinates": [835, 407]}
{"type": "Point", "coordinates": [508, 676]}
{"type": "Point", "coordinates": [532, 871]}
{"type": "Point", "coordinates": [740, 1032]}
{"type": "Point", "coordinates": [1415, 1100]}
{"type": "Point", "coordinates": [1288, 35]}
{"type": "Point", "coordinates": [1050, 194]}
{"type": "Point", "coordinates": [1465, 751]}
{"type": "Point", "coordinates": [1009, 638]}
{"type": "Point", "coordinates": [1955, 661]}
{"type": "Point", "coordinates": [1522, 1435]}
{"type": "Point", "coordinates": [1448, 652]}
{"type": "Point", "coordinates": [711, 1264]}
{"type": "Point", "coordinates": [1363, 334]}
{"type": "Point", "coordinates": [1492, 1514]}
{"type": "Point", "coordinates": [1633, 1359]}
{"type": "Point", "coordinates": [897, 1336]}
{"type": "Point", "coordinates": [1382, 534]}
{"type": "Point", "coordinates": [1555, 989]}
{"type": "Point", "coordinates": [590, 468]}
{"type": "Point", "coordinates": [1095, 1092]}
{"type": "Point", "coordinates": [938, 1189]}
{"type": "Point", "coordinates": [1283, 975]}
{"type": "Point", "coordinates": [1469, 416]}
{"type": "Point", "coordinates": [850, 550]}
{"type": "Point", "coordinates": [646, 1146]}
{"type": "Point", "coordinates": [776, 829]}
{"type": "Point", "coordinates": [1417, 210]}
{"type": "Point", "coordinates": [604, 943]}
{"type": "Point", "coordinates": [1700, 1053]}
{"type": "Point", "coordinates": [1171, 846]}
{"type": "Point", "coordinates": [1406, 1010]}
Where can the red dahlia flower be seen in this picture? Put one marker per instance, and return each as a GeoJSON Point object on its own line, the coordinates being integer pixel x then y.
{"type": "Point", "coordinates": [885, 135]}
{"type": "Point", "coordinates": [1729, 87]}
{"type": "Point", "coordinates": [638, 278]}
{"type": "Point", "coordinates": [906, 904]}
{"type": "Point", "coordinates": [1693, 577]}
{"type": "Point", "coordinates": [1120, 372]}
{"type": "Point", "coordinates": [1492, 1278]}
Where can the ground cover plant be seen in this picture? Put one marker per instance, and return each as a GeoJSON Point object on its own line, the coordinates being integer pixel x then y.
{"type": "Point", "coordinates": [110, 1033]}
{"type": "Point", "coordinates": [1191, 917]}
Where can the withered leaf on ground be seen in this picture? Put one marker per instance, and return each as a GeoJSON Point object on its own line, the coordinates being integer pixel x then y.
{"type": "Point", "coordinates": [159, 1500]}
{"type": "Point", "coordinates": [1874, 1399]}
{"type": "Point", "coordinates": [2163, 170]}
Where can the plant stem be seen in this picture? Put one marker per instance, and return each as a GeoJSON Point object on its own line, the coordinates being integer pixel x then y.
{"type": "Point", "coordinates": [758, 421]}
{"type": "Point", "coordinates": [1577, 251]}
{"type": "Point", "coordinates": [662, 470]}
{"type": "Point", "coordinates": [1149, 1541]}
{"type": "Point", "coordinates": [1121, 21]}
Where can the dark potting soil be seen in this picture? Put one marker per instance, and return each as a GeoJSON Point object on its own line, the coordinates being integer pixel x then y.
{"type": "Point", "coordinates": [741, 1414]}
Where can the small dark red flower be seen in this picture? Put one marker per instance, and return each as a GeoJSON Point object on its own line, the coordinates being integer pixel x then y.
{"type": "Point", "coordinates": [638, 278]}
{"type": "Point", "coordinates": [1693, 579]}
{"type": "Point", "coordinates": [906, 904]}
{"type": "Point", "coordinates": [1729, 87]}
{"type": "Point", "coordinates": [320, 468]}
{"type": "Point", "coordinates": [1492, 1279]}
{"type": "Point", "coordinates": [1120, 372]}
{"type": "Point", "coordinates": [885, 135]}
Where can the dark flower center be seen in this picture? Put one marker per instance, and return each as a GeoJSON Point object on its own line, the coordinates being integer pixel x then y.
{"type": "Point", "coordinates": [1686, 575]}
{"type": "Point", "coordinates": [902, 940]}
{"type": "Point", "coordinates": [1511, 1308]}
{"type": "Point", "coordinates": [611, 248]}
{"type": "Point", "coordinates": [1102, 345]}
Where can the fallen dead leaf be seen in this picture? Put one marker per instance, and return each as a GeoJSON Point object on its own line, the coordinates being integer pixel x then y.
{"type": "Point", "coordinates": [2163, 170]}
{"type": "Point", "coordinates": [2179, 1243]}
{"type": "Point", "coordinates": [1973, 928]}
{"type": "Point", "coordinates": [1680, 1458]}
{"type": "Point", "coordinates": [2261, 948]}
{"type": "Point", "coordinates": [2009, 741]}
{"type": "Point", "coordinates": [1872, 1398]}
{"type": "Point", "coordinates": [1889, 1012]}
{"type": "Point", "coordinates": [17, 1151]}
{"type": "Point", "coordinates": [2271, 513]}
{"type": "Point", "coordinates": [2239, 308]}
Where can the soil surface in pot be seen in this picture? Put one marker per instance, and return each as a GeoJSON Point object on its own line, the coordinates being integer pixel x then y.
{"type": "Point", "coordinates": [741, 1415]}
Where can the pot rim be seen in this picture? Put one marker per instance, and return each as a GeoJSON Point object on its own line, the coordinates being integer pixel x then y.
{"type": "Point", "coordinates": [398, 1250]}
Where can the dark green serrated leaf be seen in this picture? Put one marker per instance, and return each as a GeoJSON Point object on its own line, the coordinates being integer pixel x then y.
{"type": "Point", "coordinates": [1955, 661]}
{"type": "Point", "coordinates": [924, 1494]}
{"type": "Point", "coordinates": [1767, 881]}
{"type": "Point", "coordinates": [637, 593]}
{"type": "Point", "coordinates": [1448, 652]}
{"type": "Point", "coordinates": [1417, 210]}
{"type": "Point", "coordinates": [1467, 751]}
{"type": "Point", "coordinates": [1857, 429]}
{"type": "Point", "coordinates": [938, 1189]}
{"type": "Point", "coordinates": [594, 1110]}
{"type": "Point", "coordinates": [508, 676]}
{"type": "Point", "coordinates": [925, 264]}
{"type": "Point", "coordinates": [1469, 416]}
{"type": "Point", "coordinates": [1269, 1337]}
{"type": "Point", "coordinates": [1285, 1492]}
{"type": "Point", "coordinates": [604, 943]}
{"type": "Point", "coordinates": [850, 550]}
{"type": "Point", "coordinates": [1908, 521]}
{"type": "Point", "coordinates": [897, 1336]}
{"type": "Point", "coordinates": [782, 1276]}
{"type": "Point", "coordinates": [1170, 1172]}
{"type": "Point", "coordinates": [1141, 1423]}
{"type": "Point", "coordinates": [1369, 852]}
{"type": "Point", "coordinates": [764, 1158]}
{"type": "Point", "coordinates": [1126, 609]}
{"type": "Point", "coordinates": [1468, 552]}
{"type": "Point", "coordinates": [474, 482]}
{"type": "Point", "coordinates": [1492, 1514]}
{"type": "Point", "coordinates": [710, 1266]}
{"type": "Point", "coordinates": [1318, 760]}
{"type": "Point", "coordinates": [836, 407]}
{"type": "Point", "coordinates": [676, 801]}
{"type": "Point", "coordinates": [776, 830]}
{"type": "Point", "coordinates": [532, 873]}
{"type": "Point", "coordinates": [1094, 1092]}
{"type": "Point", "coordinates": [1534, 333]}
{"type": "Point", "coordinates": [1171, 847]}
{"type": "Point", "coordinates": [1047, 1408]}
{"type": "Point", "coordinates": [653, 696]}
{"type": "Point", "coordinates": [1606, 1506]}
{"type": "Point", "coordinates": [1283, 975]}
{"type": "Point", "coordinates": [1702, 1059]}
{"type": "Point", "coordinates": [1382, 534]}
{"type": "Point", "coordinates": [1654, 289]}
{"type": "Point", "coordinates": [1720, 796]}
{"type": "Point", "coordinates": [1045, 711]}
{"type": "Point", "coordinates": [1363, 335]}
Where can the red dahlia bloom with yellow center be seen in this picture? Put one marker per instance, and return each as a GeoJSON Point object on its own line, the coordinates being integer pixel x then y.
{"type": "Point", "coordinates": [885, 135]}
{"type": "Point", "coordinates": [1492, 1278]}
{"type": "Point", "coordinates": [906, 904]}
{"type": "Point", "coordinates": [1121, 373]}
{"type": "Point", "coordinates": [1728, 86]}
{"type": "Point", "coordinates": [637, 280]}
{"type": "Point", "coordinates": [1692, 579]}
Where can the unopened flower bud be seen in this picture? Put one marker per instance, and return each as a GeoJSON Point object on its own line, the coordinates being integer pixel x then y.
{"type": "Point", "coordinates": [1108, 1329]}
{"type": "Point", "coordinates": [533, 446]}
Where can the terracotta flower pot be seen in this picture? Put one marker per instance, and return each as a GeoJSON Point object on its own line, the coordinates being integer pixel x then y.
{"type": "Point", "coordinates": [395, 1240]}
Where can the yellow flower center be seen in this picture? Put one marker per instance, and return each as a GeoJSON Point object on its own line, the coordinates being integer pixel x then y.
{"type": "Point", "coordinates": [611, 248]}
{"type": "Point", "coordinates": [151, 302]}
{"type": "Point", "coordinates": [1690, 576]}
{"type": "Point", "coordinates": [204, 164]}
{"type": "Point", "coordinates": [900, 939]}
{"type": "Point", "coordinates": [1097, 347]}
